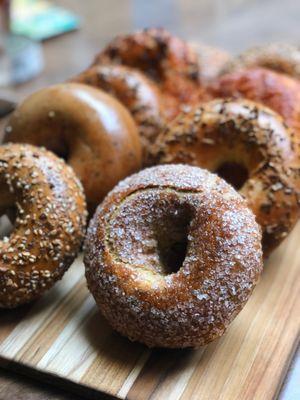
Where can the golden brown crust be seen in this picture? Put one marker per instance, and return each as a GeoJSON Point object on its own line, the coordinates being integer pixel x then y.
{"type": "Point", "coordinates": [167, 60]}
{"type": "Point", "coordinates": [49, 225]}
{"type": "Point", "coordinates": [135, 91]}
{"type": "Point", "coordinates": [250, 138]}
{"type": "Point", "coordinates": [279, 92]}
{"type": "Point", "coordinates": [156, 52]}
{"type": "Point", "coordinates": [280, 57]}
{"type": "Point", "coordinates": [90, 129]}
{"type": "Point", "coordinates": [211, 60]}
{"type": "Point", "coordinates": [146, 298]}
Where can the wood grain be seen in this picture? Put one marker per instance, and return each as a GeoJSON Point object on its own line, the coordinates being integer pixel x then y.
{"type": "Point", "coordinates": [65, 336]}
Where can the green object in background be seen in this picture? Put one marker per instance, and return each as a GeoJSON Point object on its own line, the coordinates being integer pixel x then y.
{"type": "Point", "coordinates": [40, 20]}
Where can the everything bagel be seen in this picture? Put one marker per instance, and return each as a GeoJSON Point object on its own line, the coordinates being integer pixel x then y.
{"type": "Point", "coordinates": [280, 57]}
{"type": "Point", "coordinates": [250, 146]}
{"type": "Point", "coordinates": [167, 60]}
{"type": "Point", "coordinates": [275, 90]}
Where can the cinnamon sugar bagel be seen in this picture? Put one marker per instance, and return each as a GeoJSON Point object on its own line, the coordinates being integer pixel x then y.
{"type": "Point", "coordinates": [87, 127]}
{"type": "Point", "coordinates": [49, 226]}
{"type": "Point", "coordinates": [166, 59]}
{"type": "Point", "coordinates": [250, 146]}
{"type": "Point", "coordinates": [280, 57]}
{"type": "Point", "coordinates": [135, 91]}
{"type": "Point", "coordinates": [278, 91]}
{"type": "Point", "coordinates": [172, 255]}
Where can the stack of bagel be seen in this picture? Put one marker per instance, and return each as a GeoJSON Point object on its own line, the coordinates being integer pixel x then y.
{"type": "Point", "coordinates": [174, 251]}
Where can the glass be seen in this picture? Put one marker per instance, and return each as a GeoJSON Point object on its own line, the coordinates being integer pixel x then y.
{"type": "Point", "coordinates": [21, 59]}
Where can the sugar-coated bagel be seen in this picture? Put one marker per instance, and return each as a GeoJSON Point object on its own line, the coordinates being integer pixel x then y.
{"type": "Point", "coordinates": [172, 255]}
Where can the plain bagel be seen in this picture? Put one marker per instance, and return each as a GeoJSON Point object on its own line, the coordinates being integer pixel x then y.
{"type": "Point", "coordinates": [135, 91]}
{"type": "Point", "coordinates": [91, 130]}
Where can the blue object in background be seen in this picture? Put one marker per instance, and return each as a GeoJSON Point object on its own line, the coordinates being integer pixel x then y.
{"type": "Point", "coordinates": [40, 20]}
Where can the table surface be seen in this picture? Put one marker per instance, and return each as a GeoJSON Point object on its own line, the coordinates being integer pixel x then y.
{"type": "Point", "coordinates": [231, 24]}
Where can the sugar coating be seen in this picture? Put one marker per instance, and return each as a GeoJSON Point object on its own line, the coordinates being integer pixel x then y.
{"type": "Point", "coordinates": [247, 133]}
{"type": "Point", "coordinates": [49, 225]}
{"type": "Point", "coordinates": [124, 269]}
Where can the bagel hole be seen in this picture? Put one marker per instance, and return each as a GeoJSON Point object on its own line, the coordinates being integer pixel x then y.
{"type": "Point", "coordinates": [59, 148]}
{"type": "Point", "coordinates": [236, 174]}
{"type": "Point", "coordinates": [172, 241]}
{"type": "Point", "coordinates": [63, 153]}
{"type": "Point", "coordinates": [6, 223]}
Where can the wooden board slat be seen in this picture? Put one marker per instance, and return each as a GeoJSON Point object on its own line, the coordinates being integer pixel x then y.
{"type": "Point", "coordinates": [64, 335]}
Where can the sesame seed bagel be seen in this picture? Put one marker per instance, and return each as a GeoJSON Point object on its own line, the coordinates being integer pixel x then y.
{"type": "Point", "coordinates": [90, 129]}
{"type": "Point", "coordinates": [135, 91]}
{"type": "Point", "coordinates": [167, 60]}
{"type": "Point", "coordinates": [50, 210]}
{"type": "Point", "coordinates": [280, 57]}
{"type": "Point", "coordinates": [275, 90]}
{"type": "Point", "coordinates": [172, 255]}
{"type": "Point", "coordinates": [250, 146]}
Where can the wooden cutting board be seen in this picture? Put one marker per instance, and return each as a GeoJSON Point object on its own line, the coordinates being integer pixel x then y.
{"type": "Point", "coordinates": [63, 337]}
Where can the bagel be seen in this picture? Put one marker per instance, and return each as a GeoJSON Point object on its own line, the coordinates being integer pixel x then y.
{"type": "Point", "coordinates": [91, 130]}
{"type": "Point", "coordinates": [165, 59]}
{"type": "Point", "coordinates": [280, 57]}
{"type": "Point", "coordinates": [49, 226]}
{"type": "Point", "coordinates": [172, 255]}
{"type": "Point", "coordinates": [250, 146]}
{"type": "Point", "coordinates": [135, 91]}
{"type": "Point", "coordinates": [211, 61]}
{"type": "Point", "coordinates": [277, 91]}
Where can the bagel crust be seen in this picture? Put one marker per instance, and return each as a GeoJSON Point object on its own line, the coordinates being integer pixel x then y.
{"type": "Point", "coordinates": [135, 91]}
{"type": "Point", "coordinates": [90, 129]}
{"type": "Point", "coordinates": [138, 234]}
{"type": "Point", "coordinates": [165, 59]}
{"type": "Point", "coordinates": [280, 57]}
{"type": "Point", "coordinates": [49, 226]}
{"type": "Point", "coordinates": [254, 141]}
{"type": "Point", "coordinates": [161, 56]}
{"type": "Point", "coordinates": [211, 61]}
{"type": "Point", "coordinates": [275, 90]}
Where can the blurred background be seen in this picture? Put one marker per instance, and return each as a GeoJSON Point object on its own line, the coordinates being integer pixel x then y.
{"type": "Point", "coordinates": [231, 24]}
